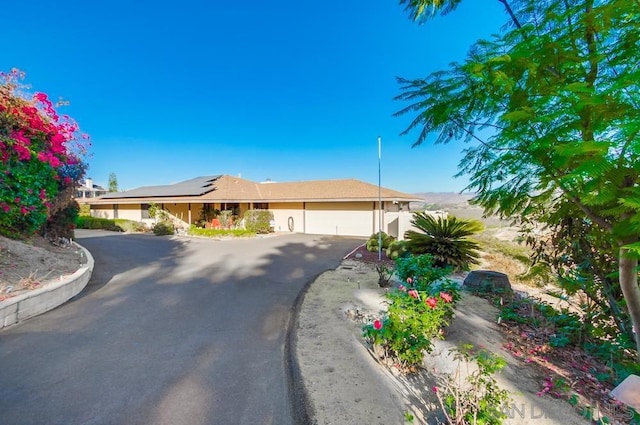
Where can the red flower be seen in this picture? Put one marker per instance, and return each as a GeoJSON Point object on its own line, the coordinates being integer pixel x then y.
{"type": "Point", "coordinates": [414, 294]}
{"type": "Point", "coordinates": [446, 297]}
{"type": "Point", "coordinates": [377, 324]}
{"type": "Point", "coordinates": [431, 302]}
{"type": "Point", "coordinates": [435, 389]}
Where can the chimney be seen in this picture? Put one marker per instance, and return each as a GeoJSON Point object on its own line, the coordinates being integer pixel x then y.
{"type": "Point", "coordinates": [89, 182]}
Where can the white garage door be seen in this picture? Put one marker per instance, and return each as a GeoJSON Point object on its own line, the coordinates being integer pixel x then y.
{"type": "Point", "coordinates": [339, 218]}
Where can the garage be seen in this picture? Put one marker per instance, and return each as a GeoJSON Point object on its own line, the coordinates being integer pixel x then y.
{"type": "Point", "coordinates": [339, 218]}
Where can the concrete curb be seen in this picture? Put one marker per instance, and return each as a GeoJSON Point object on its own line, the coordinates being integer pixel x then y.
{"type": "Point", "coordinates": [50, 296]}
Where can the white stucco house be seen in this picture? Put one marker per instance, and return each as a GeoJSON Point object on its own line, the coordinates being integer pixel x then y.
{"type": "Point", "coordinates": [346, 207]}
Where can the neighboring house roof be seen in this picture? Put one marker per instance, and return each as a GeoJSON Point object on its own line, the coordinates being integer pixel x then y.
{"type": "Point", "coordinates": [225, 188]}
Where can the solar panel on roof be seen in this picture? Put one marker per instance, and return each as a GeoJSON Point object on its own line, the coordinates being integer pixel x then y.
{"type": "Point", "coordinates": [193, 187]}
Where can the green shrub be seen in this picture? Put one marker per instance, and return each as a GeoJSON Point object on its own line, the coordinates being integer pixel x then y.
{"type": "Point", "coordinates": [372, 243]}
{"type": "Point", "coordinates": [258, 221]}
{"type": "Point", "coordinates": [130, 225]}
{"type": "Point", "coordinates": [97, 223]}
{"type": "Point", "coordinates": [163, 228]}
{"type": "Point", "coordinates": [417, 312]}
{"type": "Point", "coordinates": [397, 249]}
{"type": "Point", "coordinates": [62, 223]}
{"type": "Point", "coordinates": [216, 233]}
{"type": "Point", "coordinates": [413, 319]}
{"type": "Point", "coordinates": [420, 270]}
{"type": "Point", "coordinates": [479, 400]}
{"type": "Point", "coordinates": [85, 210]}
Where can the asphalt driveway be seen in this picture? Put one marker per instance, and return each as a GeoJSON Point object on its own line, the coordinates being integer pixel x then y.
{"type": "Point", "coordinates": [169, 331]}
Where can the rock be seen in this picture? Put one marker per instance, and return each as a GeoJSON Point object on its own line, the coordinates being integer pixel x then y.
{"type": "Point", "coordinates": [487, 281]}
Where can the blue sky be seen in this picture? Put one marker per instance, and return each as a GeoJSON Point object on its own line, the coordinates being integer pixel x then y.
{"type": "Point", "coordinates": [282, 90]}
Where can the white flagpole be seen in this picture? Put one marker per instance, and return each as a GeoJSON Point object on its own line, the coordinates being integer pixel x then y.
{"type": "Point", "coordinates": [379, 199]}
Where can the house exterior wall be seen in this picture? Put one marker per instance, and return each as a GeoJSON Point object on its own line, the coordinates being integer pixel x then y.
{"type": "Point", "coordinates": [281, 213]}
{"type": "Point", "coordinates": [129, 212]}
{"type": "Point", "coordinates": [339, 218]}
{"type": "Point", "coordinates": [102, 211]}
{"type": "Point", "coordinates": [180, 212]}
{"type": "Point", "coordinates": [356, 218]}
{"type": "Point", "coordinates": [398, 223]}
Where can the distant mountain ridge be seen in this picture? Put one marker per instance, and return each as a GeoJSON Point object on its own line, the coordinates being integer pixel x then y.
{"type": "Point", "coordinates": [445, 199]}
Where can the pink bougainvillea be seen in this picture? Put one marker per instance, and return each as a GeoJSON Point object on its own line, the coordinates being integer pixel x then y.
{"type": "Point", "coordinates": [40, 153]}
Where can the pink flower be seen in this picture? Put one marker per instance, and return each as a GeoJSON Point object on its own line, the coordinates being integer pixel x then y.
{"type": "Point", "coordinates": [377, 324]}
{"type": "Point", "coordinates": [409, 280]}
{"type": "Point", "coordinates": [23, 210]}
{"type": "Point", "coordinates": [434, 389]}
{"type": "Point", "coordinates": [19, 136]}
{"type": "Point", "coordinates": [431, 302]}
{"type": "Point", "coordinates": [446, 297]}
{"type": "Point", "coordinates": [414, 294]}
{"type": "Point", "coordinates": [402, 288]}
{"type": "Point", "coordinates": [42, 97]}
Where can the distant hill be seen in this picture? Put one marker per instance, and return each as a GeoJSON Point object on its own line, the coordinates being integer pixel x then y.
{"type": "Point", "coordinates": [443, 200]}
{"type": "Point", "coordinates": [456, 204]}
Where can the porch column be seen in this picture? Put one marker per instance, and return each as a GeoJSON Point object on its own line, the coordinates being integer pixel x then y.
{"type": "Point", "coordinates": [189, 213]}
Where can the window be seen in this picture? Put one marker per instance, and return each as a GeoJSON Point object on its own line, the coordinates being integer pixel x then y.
{"type": "Point", "coordinates": [233, 207]}
{"type": "Point", "coordinates": [144, 210]}
{"type": "Point", "coordinates": [260, 205]}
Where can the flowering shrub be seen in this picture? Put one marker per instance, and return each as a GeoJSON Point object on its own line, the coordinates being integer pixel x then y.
{"type": "Point", "coordinates": [40, 153]}
{"type": "Point", "coordinates": [412, 321]}
{"type": "Point", "coordinates": [417, 313]}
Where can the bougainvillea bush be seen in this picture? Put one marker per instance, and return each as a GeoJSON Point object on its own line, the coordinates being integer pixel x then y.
{"type": "Point", "coordinates": [41, 154]}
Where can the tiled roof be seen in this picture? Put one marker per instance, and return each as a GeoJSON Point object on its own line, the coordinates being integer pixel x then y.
{"type": "Point", "coordinates": [329, 190]}
{"type": "Point", "coordinates": [227, 188]}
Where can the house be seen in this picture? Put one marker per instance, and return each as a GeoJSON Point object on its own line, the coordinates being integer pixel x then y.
{"type": "Point", "coordinates": [89, 190]}
{"type": "Point", "coordinates": [330, 207]}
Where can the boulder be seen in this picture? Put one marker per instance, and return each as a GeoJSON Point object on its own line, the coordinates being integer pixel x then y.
{"type": "Point", "coordinates": [487, 281]}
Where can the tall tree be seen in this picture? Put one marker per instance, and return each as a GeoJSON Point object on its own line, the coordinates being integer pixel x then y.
{"type": "Point", "coordinates": [552, 108]}
{"type": "Point", "coordinates": [113, 182]}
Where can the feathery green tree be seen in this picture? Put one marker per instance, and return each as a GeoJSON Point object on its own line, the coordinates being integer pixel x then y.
{"type": "Point", "coordinates": [552, 108]}
{"type": "Point", "coordinates": [113, 182]}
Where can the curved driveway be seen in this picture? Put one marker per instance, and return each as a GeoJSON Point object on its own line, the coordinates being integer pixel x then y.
{"type": "Point", "coordinates": [169, 331]}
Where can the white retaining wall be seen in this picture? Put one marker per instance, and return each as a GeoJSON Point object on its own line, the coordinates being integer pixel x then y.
{"type": "Point", "coordinates": [51, 295]}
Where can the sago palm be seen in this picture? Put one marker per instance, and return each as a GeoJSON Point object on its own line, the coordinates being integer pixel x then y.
{"type": "Point", "coordinates": [446, 239]}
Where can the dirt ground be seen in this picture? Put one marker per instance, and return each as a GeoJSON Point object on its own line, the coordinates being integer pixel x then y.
{"type": "Point", "coordinates": [30, 263]}
{"type": "Point", "coordinates": [348, 384]}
